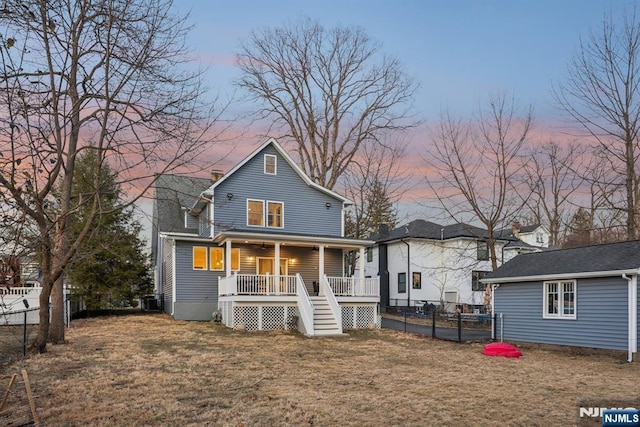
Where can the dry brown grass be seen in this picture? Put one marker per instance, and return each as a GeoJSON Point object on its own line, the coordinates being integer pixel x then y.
{"type": "Point", "coordinates": [152, 370]}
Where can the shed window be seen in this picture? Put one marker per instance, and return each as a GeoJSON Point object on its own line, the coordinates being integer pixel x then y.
{"type": "Point", "coordinates": [560, 300]}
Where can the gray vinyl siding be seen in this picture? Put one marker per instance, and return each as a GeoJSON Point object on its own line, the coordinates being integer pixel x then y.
{"type": "Point", "coordinates": [601, 309]}
{"type": "Point", "coordinates": [192, 221]}
{"type": "Point", "coordinates": [194, 285]}
{"type": "Point", "coordinates": [166, 273]}
{"type": "Point", "coordinates": [305, 210]}
{"type": "Point", "coordinates": [196, 290]}
{"type": "Point", "coordinates": [306, 263]}
{"type": "Point", "coordinates": [204, 225]}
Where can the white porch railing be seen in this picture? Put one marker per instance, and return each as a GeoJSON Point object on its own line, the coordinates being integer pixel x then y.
{"type": "Point", "coordinates": [305, 306]}
{"type": "Point", "coordinates": [327, 292]}
{"type": "Point", "coordinates": [355, 286]}
{"type": "Point", "coordinates": [257, 284]}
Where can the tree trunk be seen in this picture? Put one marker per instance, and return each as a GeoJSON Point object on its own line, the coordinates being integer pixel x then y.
{"type": "Point", "coordinates": [56, 332]}
{"type": "Point", "coordinates": [40, 343]}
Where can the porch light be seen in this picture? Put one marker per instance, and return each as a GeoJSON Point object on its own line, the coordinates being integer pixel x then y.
{"type": "Point", "coordinates": [328, 205]}
{"type": "Point", "coordinates": [229, 196]}
{"type": "Point", "coordinates": [293, 261]}
{"type": "Point", "coordinates": [252, 258]}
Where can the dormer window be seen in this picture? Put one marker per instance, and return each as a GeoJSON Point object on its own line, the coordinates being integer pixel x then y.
{"type": "Point", "coordinates": [270, 164]}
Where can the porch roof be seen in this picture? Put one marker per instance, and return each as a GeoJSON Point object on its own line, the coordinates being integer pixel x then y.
{"type": "Point", "coordinates": [254, 237]}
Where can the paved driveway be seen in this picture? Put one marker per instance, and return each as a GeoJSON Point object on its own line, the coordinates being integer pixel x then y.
{"type": "Point", "coordinates": [450, 334]}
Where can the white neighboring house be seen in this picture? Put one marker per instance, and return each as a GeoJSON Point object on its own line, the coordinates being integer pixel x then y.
{"type": "Point", "coordinates": [424, 261]}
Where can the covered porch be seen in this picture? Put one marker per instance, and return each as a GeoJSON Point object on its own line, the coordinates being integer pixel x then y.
{"type": "Point", "coordinates": [295, 282]}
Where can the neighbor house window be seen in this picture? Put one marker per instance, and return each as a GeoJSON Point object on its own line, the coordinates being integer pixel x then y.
{"type": "Point", "coordinates": [539, 238]}
{"type": "Point", "coordinates": [475, 280]}
{"type": "Point", "coordinates": [270, 164]}
{"type": "Point", "coordinates": [255, 213]}
{"type": "Point", "coordinates": [483, 251]}
{"type": "Point", "coordinates": [274, 214]}
{"type": "Point", "coordinates": [216, 259]}
{"type": "Point", "coordinates": [402, 283]}
{"type": "Point", "coordinates": [560, 299]}
{"type": "Point", "coordinates": [417, 280]}
{"type": "Point", "coordinates": [199, 258]}
{"type": "Point", "coordinates": [235, 259]}
{"type": "Point", "coordinates": [369, 252]}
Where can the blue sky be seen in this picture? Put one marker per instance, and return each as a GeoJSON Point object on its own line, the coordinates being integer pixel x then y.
{"type": "Point", "coordinates": [458, 51]}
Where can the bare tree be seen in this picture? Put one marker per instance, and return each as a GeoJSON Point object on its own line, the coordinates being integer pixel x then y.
{"type": "Point", "coordinates": [102, 73]}
{"type": "Point", "coordinates": [374, 183]}
{"type": "Point", "coordinates": [550, 175]}
{"type": "Point", "coordinates": [330, 91]}
{"type": "Point", "coordinates": [601, 95]}
{"type": "Point", "coordinates": [476, 161]}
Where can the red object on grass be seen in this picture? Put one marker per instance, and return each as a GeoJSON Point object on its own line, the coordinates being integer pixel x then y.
{"type": "Point", "coordinates": [501, 349]}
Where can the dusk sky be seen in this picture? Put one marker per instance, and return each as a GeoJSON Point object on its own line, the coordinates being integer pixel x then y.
{"type": "Point", "coordinates": [459, 51]}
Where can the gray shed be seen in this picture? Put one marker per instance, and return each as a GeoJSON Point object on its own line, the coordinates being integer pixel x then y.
{"type": "Point", "coordinates": [584, 297]}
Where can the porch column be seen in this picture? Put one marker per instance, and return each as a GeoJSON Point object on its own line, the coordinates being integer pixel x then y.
{"type": "Point", "coordinates": [227, 258]}
{"type": "Point", "coordinates": [276, 267]}
{"type": "Point", "coordinates": [362, 261]}
{"type": "Point", "coordinates": [320, 266]}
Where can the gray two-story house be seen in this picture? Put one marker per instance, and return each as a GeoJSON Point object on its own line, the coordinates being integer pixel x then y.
{"type": "Point", "coordinates": [264, 246]}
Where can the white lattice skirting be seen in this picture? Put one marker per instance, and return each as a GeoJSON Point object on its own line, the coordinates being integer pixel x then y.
{"type": "Point", "coordinates": [253, 317]}
{"type": "Point", "coordinates": [360, 317]}
{"type": "Point", "coordinates": [259, 317]}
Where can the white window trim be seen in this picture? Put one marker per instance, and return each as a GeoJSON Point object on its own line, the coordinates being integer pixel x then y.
{"type": "Point", "coordinates": [266, 214]}
{"type": "Point", "coordinates": [263, 213]}
{"type": "Point", "coordinates": [275, 164]}
{"type": "Point", "coordinates": [209, 260]}
{"type": "Point", "coordinates": [560, 315]}
{"type": "Point", "coordinates": [206, 258]}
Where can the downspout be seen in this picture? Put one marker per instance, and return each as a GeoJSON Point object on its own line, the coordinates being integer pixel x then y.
{"type": "Point", "coordinates": [493, 287]}
{"type": "Point", "coordinates": [632, 323]}
{"type": "Point", "coordinates": [408, 284]}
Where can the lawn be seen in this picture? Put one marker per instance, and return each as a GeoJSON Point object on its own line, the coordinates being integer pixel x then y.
{"type": "Point", "coordinates": [155, 371]}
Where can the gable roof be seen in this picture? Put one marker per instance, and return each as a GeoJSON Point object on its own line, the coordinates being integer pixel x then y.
{"type": "Point", "coordinates": [421, 229]}
{"type": "Point", "coordinates": [588, 261]}
{"type": "Point", "coordinates": [172, 194]}
{"type": "Point", "coordinates": [271, 141]}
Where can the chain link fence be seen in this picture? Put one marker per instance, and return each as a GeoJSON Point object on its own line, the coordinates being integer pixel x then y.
{"type": "Point", "coordinates": [18, 329]}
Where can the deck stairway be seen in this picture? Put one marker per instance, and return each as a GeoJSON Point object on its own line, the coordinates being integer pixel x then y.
{"type": "Point", "coordinates": [324, 322]}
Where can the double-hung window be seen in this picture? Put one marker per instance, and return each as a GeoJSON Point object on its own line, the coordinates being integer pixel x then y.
{"type": "Point", "coordinates": [255, 213]}
{"type": "Point", "coordinates": [559, 300]}
{"type": "Point", "coordinates": [261, 214]}
{"type": "Point", "coordinates": [270, 164]}
{"type": "Point", "coordinates": [476, 275]}
{"type": "Point", "coordinates": [199, 258]}
{"type": "Point", "coordinates": [275, 214]}
{"type": "Point", "coordinates": [402, 283]}
{"type": "Point", "coordinates": [482, 251]}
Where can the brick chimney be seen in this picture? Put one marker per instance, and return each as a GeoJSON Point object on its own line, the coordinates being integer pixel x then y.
{"type": "Point", "coordinates": [515, 228]}
{"type": "Point", "coordinates": [216, 174]}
